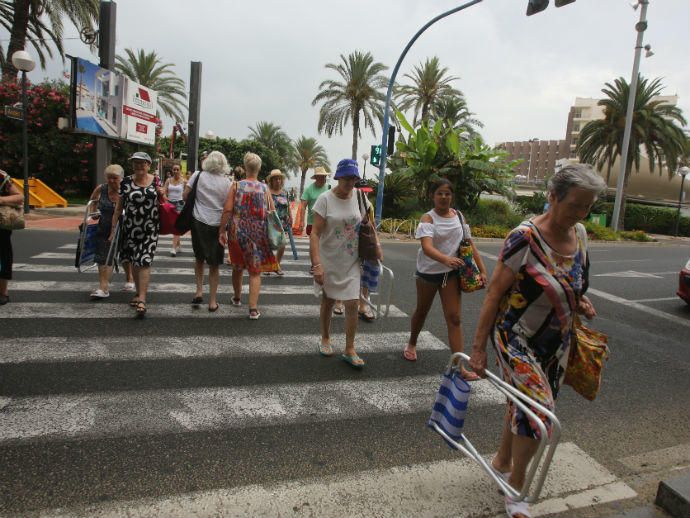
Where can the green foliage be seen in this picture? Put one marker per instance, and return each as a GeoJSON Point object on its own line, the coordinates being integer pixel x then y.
{"type": "Point", "coordinates": [398, 195]}
{"type": "Point", "coordinates": [600, 233]}
{"type": "Point", "coordinates": [635, 235]}
{"type": "Point", "coordinates": [491, 231]}
{"type": "Point", "coordinates": [433, 152]}
{"type": "Point", "coordinates": [654, 220]}
{"type": "Point", "coordinates": [532, 204]}
{"type": "Point", "coordinates": [308, 154]}
{"type": "Point", "coordinates": [493, 212]}
{"type": "Point", "coordinates": [273, 137]}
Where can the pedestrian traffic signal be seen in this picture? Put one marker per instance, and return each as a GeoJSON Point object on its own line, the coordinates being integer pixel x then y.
{"type": "Point", "coordinates": [536, 6]}
{"type": "Point", "coordinates": [375, 159]}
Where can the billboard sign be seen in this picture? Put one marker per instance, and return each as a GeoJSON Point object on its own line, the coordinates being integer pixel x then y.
{"type": "Point", "coordinates": [108, 104]}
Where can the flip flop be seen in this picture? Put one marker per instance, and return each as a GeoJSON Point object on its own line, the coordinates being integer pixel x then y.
{"type": "Point", "coordinates": [197, 300]}
{"type": "Point", "coordinates": [410, 354]}
{"type": "Point", "coordinates": [517, 509]}
{"type": "Point", "coordinates": [366, 316]}
{"type": "Point", "coordinates": [214, 309]}
{"type": "Point", "coordinates": [325, 349]}
{"type": "Point", "coordinates": [338, 309]}
{"type": "Point", "coordinates": [141, 309]}
{"type": "Point", "coordinates": [134, 302]}
{"type": "Point", "coordinates": [469, 375]}
{"type": "Point", "coordinates": [353, 360]}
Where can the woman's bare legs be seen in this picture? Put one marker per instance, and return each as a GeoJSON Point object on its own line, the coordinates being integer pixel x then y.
{"type": "Point", "coordinates": [351, 319]}
{"type": "Point", "coordinates": [237, 282]}
{"type": "Point", "coordinates": [325, 316]}
{"type": "Point", "coordinates": [254, 288]}
{"type": "Point", "coordinates": [199, 276]}
{"type": "Point", "coordinates": [426, 292]}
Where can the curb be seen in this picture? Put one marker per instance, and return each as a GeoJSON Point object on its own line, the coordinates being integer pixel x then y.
{"type": "Point", "coordinates": [673, 496]}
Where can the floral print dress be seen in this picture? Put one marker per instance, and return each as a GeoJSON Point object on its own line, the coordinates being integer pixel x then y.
{"type": "Point", "coordinates": [534, 323]}
{"type": "Point", "coordinates": [282, 206]}
{"type": "Point", "coordinates": [248, 238]}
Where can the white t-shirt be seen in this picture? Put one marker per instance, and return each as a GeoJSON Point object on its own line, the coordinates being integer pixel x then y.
{"type": "Point", "coordinates": [446, 235]}
{"type": "Point", "coordinates": [339, 244]}
{"type": "Point", "coordinates": [211, 194]}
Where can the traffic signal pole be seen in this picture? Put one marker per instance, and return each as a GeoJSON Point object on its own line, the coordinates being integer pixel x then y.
{"type": "Point", "coordinates": [389, 95]}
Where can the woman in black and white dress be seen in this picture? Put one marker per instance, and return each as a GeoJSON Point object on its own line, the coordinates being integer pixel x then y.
{"type": "Point", "coordinates": [139, 197]}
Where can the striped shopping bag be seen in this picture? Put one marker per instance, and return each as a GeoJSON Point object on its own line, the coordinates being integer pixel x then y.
{"type": "Point", "coordinates": [450, 406]}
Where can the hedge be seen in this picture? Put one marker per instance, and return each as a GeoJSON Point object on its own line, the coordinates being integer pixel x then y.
{"type": "Point", "coordinates": [654, 220]}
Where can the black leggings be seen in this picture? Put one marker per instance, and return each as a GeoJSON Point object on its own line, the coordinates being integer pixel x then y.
{"type": "Point", "coordinates": [5, 254]}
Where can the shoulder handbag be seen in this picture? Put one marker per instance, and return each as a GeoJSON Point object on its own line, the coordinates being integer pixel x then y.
{"type": "Point", "coordinates": [588, 353]}
{"type": "Point", "coordinates": [368, 243]}
{"type": "Point", "coordinates": [184, 219]}
{"type": "Point", "coordinates": [470, 278]}
{"type": "Point", "coordinates": [11, 216]}
{"type": "Point", "coordinates": [450, 406]}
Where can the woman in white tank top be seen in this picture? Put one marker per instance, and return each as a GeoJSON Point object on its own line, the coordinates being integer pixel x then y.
{"type": "Point", "coordinates": [174, 187]}
{"type": "Point", "coordinates": [440, 231]}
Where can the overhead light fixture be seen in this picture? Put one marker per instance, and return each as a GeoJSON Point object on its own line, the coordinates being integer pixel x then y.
{"type": "Point", "coordinates": [635, 5]}
{"type": "Point", "coordinates": [648, 51]}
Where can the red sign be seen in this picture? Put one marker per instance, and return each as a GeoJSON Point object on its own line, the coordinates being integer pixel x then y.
{"type": "Point", "coordinates": [142, 128]}
{"type": "Point", "coordinates": [144, 94]}
{"type": "Point", "coordinates": [134, 112]}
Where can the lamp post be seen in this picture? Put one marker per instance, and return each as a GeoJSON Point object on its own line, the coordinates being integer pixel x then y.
{"type": "Point", "coordinates": [682, 172]}
{"type": "Point", "coordinates": [531, 150]}
{"type": "Point", "coordinates": [365, 157]}
{"type": "Point", "coordinates": [23, 61]}
{"type": "Point", "coordinates": [640, 27]}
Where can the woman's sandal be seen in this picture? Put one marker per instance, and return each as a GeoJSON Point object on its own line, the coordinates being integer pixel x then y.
{"type": "Point", "coordinates": [325, 349]}
{"type": "Point", "coordinates": [410, 353]}
{"type": "Point", "coordinates": [517, 509]}
{"type": "Point", "coordinates": [353, 360]}
{"type": "Point", "coordinates": [196, 301]}
{"type": "Point", "coordinates": [469, 375]}
{"type": "Point", "coordinates": [338, 309]}
{"type": "Point", "coordinates": [213, 309]}
{"type": "Point", "coordinates": [141, 309]}
{"type": "Point", "coordinates": [366, 315]}
{"type": "Point", "coordinates": [134, 302]}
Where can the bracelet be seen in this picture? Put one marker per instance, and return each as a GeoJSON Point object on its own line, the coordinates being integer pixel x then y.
{"type": "Point", "coordinates": [313, 266]}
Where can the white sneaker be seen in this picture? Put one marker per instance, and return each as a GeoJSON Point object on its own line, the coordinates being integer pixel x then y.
{"type": "Point", "coordinates": [173, 253]}
{"type": "Point", "coordinates": [129, 286]}
{"type": "Point", "coordinates": [99, 294]}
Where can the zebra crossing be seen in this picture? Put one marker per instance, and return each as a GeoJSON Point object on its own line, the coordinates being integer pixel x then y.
{"type": "Point", "coordinates": [191, 413]}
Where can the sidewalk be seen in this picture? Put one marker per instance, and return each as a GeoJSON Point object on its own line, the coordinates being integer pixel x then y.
{"type": "Point", "coordinates": [67, 218]}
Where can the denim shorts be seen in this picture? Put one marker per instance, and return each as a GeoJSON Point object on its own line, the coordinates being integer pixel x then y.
{"type": "Point", "coordinates": [436, 278]}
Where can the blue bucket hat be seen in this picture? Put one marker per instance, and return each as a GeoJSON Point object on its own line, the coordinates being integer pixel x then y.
{"type": "Point", "coordinates": [346, 168]}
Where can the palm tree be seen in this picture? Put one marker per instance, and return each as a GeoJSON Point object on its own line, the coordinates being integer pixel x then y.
{"type": "Point", "coordinates": [272, 136]}
{"type": "Point", "coordinates": [357, 97]}
{"type": "Point", "coordinates": [430, 84]}
{"type": "Point", "coordinates": [40, 23]}
{"type": "Point", "coordinates": [149, 71]}
{"type": "Point", "coordinates": [655, 128]}
{"type": "Point", "coordinates": [307, 154]}
{"type": "Point", "coordinates": [454, 111]}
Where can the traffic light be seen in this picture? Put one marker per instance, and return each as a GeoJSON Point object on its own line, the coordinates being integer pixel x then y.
{"type": "Point", "coordinates": [537, 6]}
{"type": "Point", "coordinates": [375, 159]}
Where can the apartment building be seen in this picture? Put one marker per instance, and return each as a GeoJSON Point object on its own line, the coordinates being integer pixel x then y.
{"type": "Point", "coordinates": [539, 157]}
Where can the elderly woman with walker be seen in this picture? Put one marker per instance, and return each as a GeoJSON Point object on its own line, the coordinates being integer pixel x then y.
{"type": "Point", "coordinates": [537, 288]}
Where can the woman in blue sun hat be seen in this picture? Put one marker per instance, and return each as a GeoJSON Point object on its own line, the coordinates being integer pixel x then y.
{"type": "Point", "coordinates": [334, 247]}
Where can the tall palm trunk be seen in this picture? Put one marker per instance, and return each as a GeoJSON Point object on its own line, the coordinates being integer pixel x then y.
{"type": "Point", "coordinates": [621, 216]}
{"type": "Point", "coordinates": [20, 26]}
{"type": "Point", "coordinates": [355, 133]}
{"type": "Point", "coordinates": [301, 182]}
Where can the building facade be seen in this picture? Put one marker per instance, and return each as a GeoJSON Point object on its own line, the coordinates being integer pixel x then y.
{"type": "Point", "coordinates": [539, 158]}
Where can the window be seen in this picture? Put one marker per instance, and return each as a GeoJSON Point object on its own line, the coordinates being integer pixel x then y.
{"type": "Point", "coordinates": [577, 113]}
{"type": "Point", "coordinates": [576, 126]}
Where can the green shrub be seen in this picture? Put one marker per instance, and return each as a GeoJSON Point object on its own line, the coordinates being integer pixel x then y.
{"type": "Point", "coordinates": [493, 213]}
{"type": "Point", "coordinates": [651, 219]}
{"type": "Point", "coordinates": [598, 232]}
{"type": "Point", "coordinates": [496, 231]}
{"type": "Point", "coordinates": [635, 235]}
{"type": "Point", "coordinates": [531, 204]}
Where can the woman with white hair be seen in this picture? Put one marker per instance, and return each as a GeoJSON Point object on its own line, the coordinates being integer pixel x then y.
{"type": "Point", "coordinates": [537, 288]}
{"type": "Point", "coordinates": [248, 203]}
{"type": "Point", "coordinates": [107, 195]}
{"type": "Point", "coordinates": [211, 193]}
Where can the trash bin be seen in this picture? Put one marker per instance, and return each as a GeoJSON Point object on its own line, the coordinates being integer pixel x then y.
{"type": "Point", "coordinates": [598, 219]}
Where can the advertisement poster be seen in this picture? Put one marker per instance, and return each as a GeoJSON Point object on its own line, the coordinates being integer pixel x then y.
{"type": "Point", "coordinates": [139, 113]}
{"type": "Point", "coordinates": [108, 104]}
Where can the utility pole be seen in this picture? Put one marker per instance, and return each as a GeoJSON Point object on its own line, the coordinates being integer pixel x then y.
{"type": "Point", "coordinates": [107, 17]}
{"type": "Point", "coordinates": [193, 122]}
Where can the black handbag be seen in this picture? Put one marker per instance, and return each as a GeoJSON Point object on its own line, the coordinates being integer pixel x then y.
{"type": "Point", "coordinates": [183, 223]}
{"type": "Point", "coordinates": [368, 244]}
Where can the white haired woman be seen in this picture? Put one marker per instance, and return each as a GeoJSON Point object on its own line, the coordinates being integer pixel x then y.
{"type": "Point", "coordinates": [537, 287]}
{"type": "Point", "coordinates": [211, 193]}
{"type": "Point", "coordinates": [106, 195]}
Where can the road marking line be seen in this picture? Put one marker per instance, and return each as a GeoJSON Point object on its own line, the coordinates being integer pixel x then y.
{"type": "Point", "coordinates": [155, 270]}
{"type": "Point", "coordinates": [167, 244]}
{"type": "Point", "coordinates": [87, 287]}
{"type": "Point", "coordinates": [575, 481]}
{"type": "Point", "coordinates": [640, 307]}
{"type": "Point", "coordinates": [627, 261]}
{"type": "Point", "coordinates": [162, 257]}
{"type": "Point", "coordinates": [661, 299]}
{"type": "Point", "coordinates": [121, 348]}
{"type": "Point", "coordinates": [629, 274]}
{"type": "Point", "coordinates": [126, 413]}
{"type": "Point", "coordinates": [82, 310]}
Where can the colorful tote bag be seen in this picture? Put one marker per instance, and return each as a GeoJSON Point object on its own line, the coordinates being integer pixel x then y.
{"type": "Point", "coordinates": [470, 278]}
{"type": "Point", "coordinates": [588, 353]}
{"type": "Point", "coordinates": [450, 405]}
{"type": "Point", "coordinates": [276, 235]}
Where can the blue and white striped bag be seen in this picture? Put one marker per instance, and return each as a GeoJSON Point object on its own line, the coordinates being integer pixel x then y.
{"type": "Point", "coordinates": [450, 406]}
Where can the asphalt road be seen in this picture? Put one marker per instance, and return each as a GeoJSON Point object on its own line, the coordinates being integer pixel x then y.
{"type": "Point", "coordinates": [87, 402]}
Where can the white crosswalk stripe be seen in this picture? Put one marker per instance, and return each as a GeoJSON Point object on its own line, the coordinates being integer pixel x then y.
{"type": "Point", "coordinates": [77, 405]}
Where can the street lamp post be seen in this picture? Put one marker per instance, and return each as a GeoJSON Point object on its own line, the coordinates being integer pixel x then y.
{"type": "Point", "coordinates": [682, 172]}
{"type": "Point", "coordinates": [529, 163]}
{"type": "Point", "coordinates": [365, 157]}
{"type": "Point", "coordinates": [23, 61]}
{"type": "Point", "coordinates": [640, 27]}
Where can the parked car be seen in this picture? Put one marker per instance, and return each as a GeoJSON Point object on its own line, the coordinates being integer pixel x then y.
{"type": "Point", "coordinates": [684, 283]}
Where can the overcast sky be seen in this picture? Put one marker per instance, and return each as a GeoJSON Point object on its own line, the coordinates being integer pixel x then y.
{"type": "Point", "coordinates": [264, 59]}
